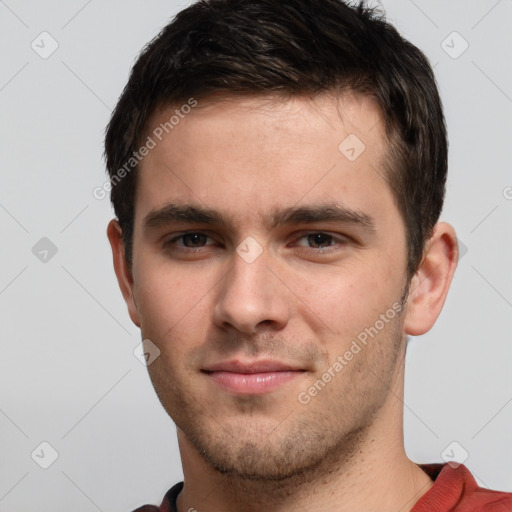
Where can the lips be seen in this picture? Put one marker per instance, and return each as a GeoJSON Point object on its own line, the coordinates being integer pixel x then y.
{"type": "Point", "coordinates": [251, 377]}
{"type": "Point", "coordinates": [248, 367]}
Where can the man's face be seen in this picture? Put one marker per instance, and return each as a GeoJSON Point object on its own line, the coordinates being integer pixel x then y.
{"type": "Point", "coordinates": [262, 251]}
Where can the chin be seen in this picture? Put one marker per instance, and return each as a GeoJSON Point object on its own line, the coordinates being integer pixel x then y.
{"type": "Point", "coordinates": [250, 461]}
{"type": "Point", "coordinates": [288, 451]}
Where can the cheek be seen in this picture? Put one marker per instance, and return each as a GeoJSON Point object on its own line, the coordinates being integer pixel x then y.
{"type": "Point", "coordinates": [170, 301]}
{"type": "Point", "coordinates": [345, 299]}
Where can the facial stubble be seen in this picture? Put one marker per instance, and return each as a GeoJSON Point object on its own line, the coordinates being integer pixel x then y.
{"type": "Point", "coordinates": [295, 443]}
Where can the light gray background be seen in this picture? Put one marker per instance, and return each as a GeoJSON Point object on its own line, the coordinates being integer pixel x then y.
{"type": "Point", "coordinates": [68, 375]}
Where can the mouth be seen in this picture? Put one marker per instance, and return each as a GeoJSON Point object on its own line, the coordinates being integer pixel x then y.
{"type": "Point", "coordinates": [253, 377]}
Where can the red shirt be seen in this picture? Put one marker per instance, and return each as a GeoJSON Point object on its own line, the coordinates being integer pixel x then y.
{"type": "Point", "coordinates": [454, 490]}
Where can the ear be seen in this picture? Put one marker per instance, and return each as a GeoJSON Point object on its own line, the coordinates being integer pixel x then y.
{"type": "Point", "coordinates": [429, 286]}
{"type": "Point", "coordinates": [123, 273]}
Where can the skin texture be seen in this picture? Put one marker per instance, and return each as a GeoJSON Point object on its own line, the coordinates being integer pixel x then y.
{"type": "Point", "coordinates": [303, 302]}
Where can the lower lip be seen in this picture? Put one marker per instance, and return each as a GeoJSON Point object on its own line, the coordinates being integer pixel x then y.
{"type": "Point", "coordinates": [252, 383]}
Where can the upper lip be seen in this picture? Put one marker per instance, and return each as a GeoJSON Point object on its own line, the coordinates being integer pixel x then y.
{"type": "Point", "coordinates": [262, 366]}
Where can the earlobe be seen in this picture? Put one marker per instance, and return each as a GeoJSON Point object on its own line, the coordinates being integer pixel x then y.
{"type": "Point", "coordinates": [123, 273]}
{"type": "Point", "coordinates": [429, 286]}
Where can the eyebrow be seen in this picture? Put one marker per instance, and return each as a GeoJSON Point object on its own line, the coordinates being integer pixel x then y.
{"type": "Point", "coordinates": [183, 213]}
{"type": "Point", "coordinates": [309, 214]}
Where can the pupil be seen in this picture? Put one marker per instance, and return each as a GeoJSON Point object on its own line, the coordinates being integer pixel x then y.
{"type": "Point", "coordinates": [193, 238]}
{"type": "Point", "coordinates": [320, 239]}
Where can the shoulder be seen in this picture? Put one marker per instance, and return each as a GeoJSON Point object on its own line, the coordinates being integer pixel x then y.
{"type": "Point", "coordinates": [455, 489]}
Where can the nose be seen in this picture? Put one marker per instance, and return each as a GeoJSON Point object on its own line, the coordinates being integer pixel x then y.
{"type": "Point", "coordinates": [251, 297]}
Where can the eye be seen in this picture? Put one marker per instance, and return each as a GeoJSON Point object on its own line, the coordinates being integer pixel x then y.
{"type": "Point", "coordinates": [189, 240]}
{"type": "Point", "coordinates": [194, 239]}
{"type": "Point", "coordinates": [320, 241]}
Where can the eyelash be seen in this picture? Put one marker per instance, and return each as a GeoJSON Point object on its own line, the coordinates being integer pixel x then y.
{"type": "Point", "coordinates": [170, 243]}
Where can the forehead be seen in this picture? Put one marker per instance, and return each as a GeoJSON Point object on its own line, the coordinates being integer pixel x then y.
{"type": "Point", "coordinates": [305, 119]}
{"type": "Point", "coordinates": [244, 155]}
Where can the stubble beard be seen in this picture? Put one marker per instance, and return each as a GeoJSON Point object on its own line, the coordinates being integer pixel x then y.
{"type": "Point", "coordinates": [312, 441]}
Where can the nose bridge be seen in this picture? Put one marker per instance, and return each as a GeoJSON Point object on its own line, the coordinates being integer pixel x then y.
{"type": "Point", "coordinates": [250, 294]}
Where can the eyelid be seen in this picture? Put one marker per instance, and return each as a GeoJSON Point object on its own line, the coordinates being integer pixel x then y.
{"type": "Point", "coordinates": [175, 237]}
{"type": "Point", "coordinates": [336, 237]}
